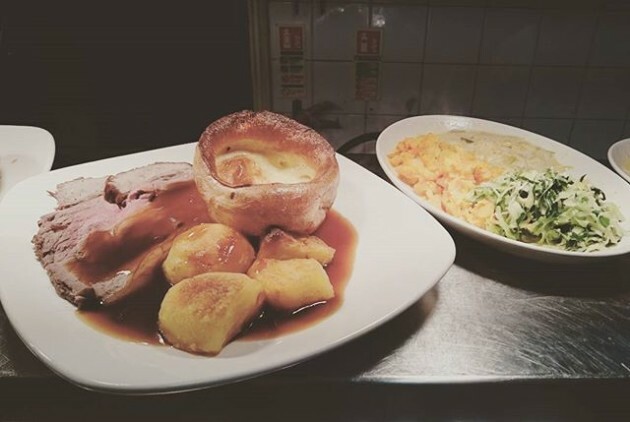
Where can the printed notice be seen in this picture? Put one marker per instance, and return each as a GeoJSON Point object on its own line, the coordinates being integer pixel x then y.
{"type": "Point", "coordinates": [368, 64]}
{"type": "Point", "coordinates": [292, 63]}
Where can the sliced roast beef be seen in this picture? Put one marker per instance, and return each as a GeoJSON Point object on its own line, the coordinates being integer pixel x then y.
{"type": "Point", "coordinates": [108, 236]}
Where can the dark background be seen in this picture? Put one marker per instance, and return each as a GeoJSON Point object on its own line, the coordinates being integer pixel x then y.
{"type": "Point", "coordinates": [107, 80]}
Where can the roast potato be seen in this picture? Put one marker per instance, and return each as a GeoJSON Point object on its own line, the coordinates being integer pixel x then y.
{"type": "Point", "coordinates": [278, 244]}
{"type": "Point", "coordinates": [203, 313]}
{"type": "Point", "coordinates": [207, 248]}
{"type": "Point", "coordinates": [292, 284]}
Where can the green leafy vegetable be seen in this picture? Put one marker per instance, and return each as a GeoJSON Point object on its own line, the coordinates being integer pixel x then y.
{"type": "Point", "coordinates": [552, 209]}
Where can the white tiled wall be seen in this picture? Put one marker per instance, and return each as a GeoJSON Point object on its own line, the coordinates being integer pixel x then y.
{"type": "Point", "coordinates": [289, 13]}
{"type": "Point", "coordinates": [556, 67]}
{"type": "Point", "coordinates": [565, 37]}
{"type": "Point", "coordinates": [605, 93]}
{"type": "Point", "coordinates": [500, 91]}
{"type": "Point", "coordinates": [553, 92]}
{"type": "Point", "coordinates": [594, 137]}
{"type": "Point", "coordinates": [509, 36]}
{"type": "Point", "coordinates": [334, 29]}
{"type": "Point", "coordinates": [447, 88]}
{"type": "Point", "coordinates": [334, 81]}
{"type": "Point", "coordinates": [399, 89]}
{"type": "Point", "coordinates": [453, 35]}
{"type": "Point", "coordinates": [405, 29]}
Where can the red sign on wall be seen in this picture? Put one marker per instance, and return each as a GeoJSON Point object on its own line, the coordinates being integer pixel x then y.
{"type": "Point", "coordinates": [367, 64]}
{"type": "Point", "coordinates": [291, 39]}
{"type": "Point", "coordinates": [292, 63]}
{"type": "Point", "coordinates": [369, 42]}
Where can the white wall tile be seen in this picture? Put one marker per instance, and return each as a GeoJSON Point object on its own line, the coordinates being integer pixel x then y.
{"type": "Point", "coordinates": [556, 129]}
{"type": "Point", "coordinates": [334, 81]}
{"type": "Point", "coordinates": [404, 28]}
{"type": "Point", "coordinates": [454, 35]}
{"type": "Point", "coordinates": [283, 13]}
{"type": "Point", "coordinates": [284, 105]}
{"type": "Point", "coordinates": [611, 46]}
{"type": "Point", "coordinates": [606, 94]}
{"type": "Point", "coordinates": [565, 36]}
{"type": "Point", "coordinates": [399, 89]}
{"type": "Point", "coordinates": [335, 29]}
{"type": "Point", "coordinates": [553, 92]}
{"type": "Point", "coordinates": [447, 89]}
{"type": "Point", "coordinates": [594, 137]}
{"type": "Point", "coordinates": [349, 126]}
{"type": "Point", "coordinates": [500, 91]}
{"type": "Point", "coordinates": [509, 36]}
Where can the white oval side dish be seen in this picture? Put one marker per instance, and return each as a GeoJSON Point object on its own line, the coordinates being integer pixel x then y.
{"type": "Point", "coordinates": [614, 187]}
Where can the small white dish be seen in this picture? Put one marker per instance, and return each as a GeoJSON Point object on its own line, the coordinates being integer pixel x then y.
{"type": "Point", "coordinates": [615, 188]}
{"type": "Point", "coordinates": [619, 158]}
{"type": "Point", "coordinates": [401, 253]}
{"type": "Point", "coordinates": [24, 152]}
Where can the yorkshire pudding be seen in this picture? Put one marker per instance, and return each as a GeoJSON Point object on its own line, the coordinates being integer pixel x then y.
{"type": "Point", "coordinates": [257, 170]}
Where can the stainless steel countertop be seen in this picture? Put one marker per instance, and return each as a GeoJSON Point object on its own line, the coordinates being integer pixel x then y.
{"type": "Point", "coordinates": [492, 317]}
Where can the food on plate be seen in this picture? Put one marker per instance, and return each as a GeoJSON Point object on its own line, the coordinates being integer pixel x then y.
{"type": "Point", "coordinates": [508, 186]}
{"type": "Point", "coordinates": [291, 270]}
{"type": "Point", "coordinates": [258, 170]}
{"type": "Point", "coordinates": [201, 314]}
{"type": "Point", "coordinates": [504, 151]}
{"type": "Point", "coordinates": [278, 244]}
{"type": "Point", "coordinates": [180, 238]}
{"type": "Point", "coordinates": [108, 236]}
{"type": "Point", "coordinates": [551, 209]}
{"type": "Point", "coordinates": [442, 172]}
{"type": "Point", "coordinates": [205, 248]}
{"type": "Point", "coordinates": [626, 166]}
{"type": "Point", "coordinates": [293, 283]}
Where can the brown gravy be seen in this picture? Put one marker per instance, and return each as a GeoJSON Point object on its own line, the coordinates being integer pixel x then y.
{"type": "Point", "coordinates": [136, 318]}
{"type": "Point", "coordinates": [127, 245]}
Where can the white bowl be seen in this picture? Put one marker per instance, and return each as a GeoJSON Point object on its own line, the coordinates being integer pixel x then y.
{"type": "Point", "coordinates": [616, 189]}
{"type": "Point", "coordinates": [619, 158]}
{"type": "Point", "coordinates": [24, 152]}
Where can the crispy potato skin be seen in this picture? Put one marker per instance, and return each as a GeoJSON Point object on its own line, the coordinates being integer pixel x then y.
{"type": "Point", "coordinates": [278, 244]}
{"type": "Point", "coordinates": [207, 248]}
{"type": "Point", "coordinates": [203, 313]}
{"type": "Point", "coordinates": [293, 283]}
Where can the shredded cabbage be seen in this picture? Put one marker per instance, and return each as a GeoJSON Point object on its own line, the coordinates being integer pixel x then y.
{"type": "Point", "coordinates": [551, 209]}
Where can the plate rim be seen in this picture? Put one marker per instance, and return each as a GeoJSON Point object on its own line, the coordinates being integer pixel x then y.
{"type": "Point", "coordinates": [610, 154]}
{"type": "Point", "coordinates": [46, 139]}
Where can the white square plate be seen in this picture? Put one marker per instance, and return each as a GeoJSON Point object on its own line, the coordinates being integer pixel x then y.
{"type": "Point", "coordinates": [401, 253]}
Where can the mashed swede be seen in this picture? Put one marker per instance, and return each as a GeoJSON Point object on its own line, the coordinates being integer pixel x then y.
{"type": "Point", "coordinates": [444, 168]}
